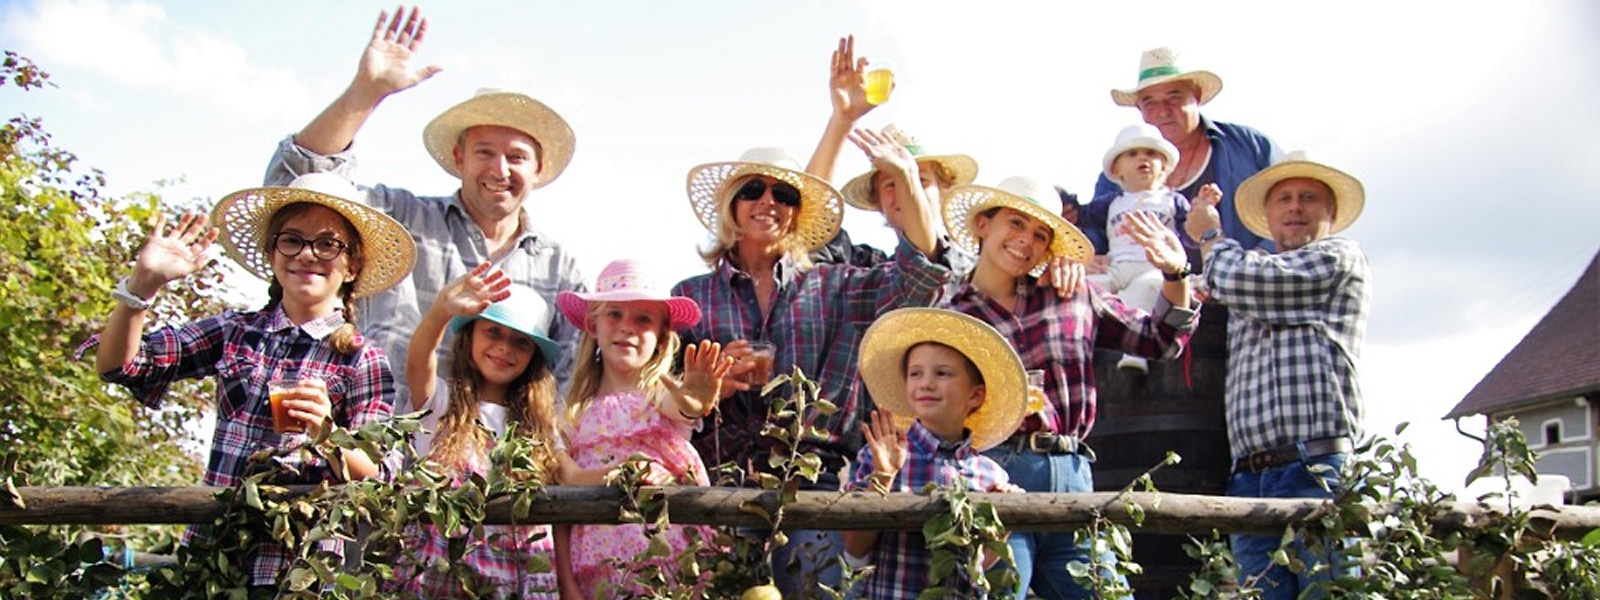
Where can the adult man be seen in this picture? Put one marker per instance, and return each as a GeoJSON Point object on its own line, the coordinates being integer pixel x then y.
{"type": "Point", "coordinates": [501, 145]}
{"type": "Point", "coordinates": [1208, 151]}
{"type": "Point", "coordinates": [1296, 324]}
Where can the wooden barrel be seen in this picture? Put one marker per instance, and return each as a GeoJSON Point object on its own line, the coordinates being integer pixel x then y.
{"type": "Point", "coordinates": [1177, 407]}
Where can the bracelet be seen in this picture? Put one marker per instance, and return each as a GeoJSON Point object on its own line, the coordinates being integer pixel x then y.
{"type": "Point", "coordinates": [1211, 234]}
{"type": "Point", "coordinates": [121, 294]}
{"type": "Point", "coordinates": [1182, 272]}
{"type": "Point", "coordinates": [880, 482]}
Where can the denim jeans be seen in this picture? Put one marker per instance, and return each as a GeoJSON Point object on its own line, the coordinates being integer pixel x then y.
{"type": "Point", "coordinates": [1254, 552]}
{"type": "Point", "coordinates": [1042, 556]}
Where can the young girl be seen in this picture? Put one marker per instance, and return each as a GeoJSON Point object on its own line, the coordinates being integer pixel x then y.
{"type": "Point", "coordinates": [500, 380]}
{"type": "Point", "coordinates": [624, 401]}
{"type": "Point", "coordinates": [318, 248]}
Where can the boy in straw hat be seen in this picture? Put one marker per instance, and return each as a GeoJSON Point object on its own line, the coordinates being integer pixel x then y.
{"type": "Point", "coordinates": [319, 250]}
{"type": "Point", "coordinates": [1209, 151]}
{"type": "Point", "coordinates": [765, 214]}
{"type": "Point", "coordinates": [501, 145]}
{"type": "Point", "coordinates": [1296, 325]}
{"type": "Point", "coordinates": [964, 386]}
{"type": "Point", "coordinates": [1139, 161]}
{"type": "Point", "coordinates": [1013, 234]}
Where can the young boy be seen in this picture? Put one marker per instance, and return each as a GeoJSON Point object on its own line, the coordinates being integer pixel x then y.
{"type": "Point", "coordinates": [1139, 161]}
{"type": "Point", "coordinates": [965, 387]}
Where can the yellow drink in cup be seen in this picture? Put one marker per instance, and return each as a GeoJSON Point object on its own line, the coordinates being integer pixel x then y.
{"type": "Point", "coordinates": [880, 81]}
{"type": "Point", "coordinates": [1036, 397]}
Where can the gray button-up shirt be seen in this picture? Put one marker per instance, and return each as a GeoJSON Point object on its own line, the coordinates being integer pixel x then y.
{"type": "Point", "coordinates": [449, 245]}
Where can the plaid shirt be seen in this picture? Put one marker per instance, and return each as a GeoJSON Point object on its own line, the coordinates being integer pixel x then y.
{"type": "Point", "coordinates": [817, 320]}
{"type": "Point", "coordinates": [901, 558]}
{"type": "Point", "coordinates": [497, 556]}
{"type": "Point", "coordinates": [244, 351]}
{"type": "Point", "coordinates": [1059, 335]}
{"type": "Point", "coordinates": [1296, 324]}
{"type": "Point", "coordinates": [449, 245]}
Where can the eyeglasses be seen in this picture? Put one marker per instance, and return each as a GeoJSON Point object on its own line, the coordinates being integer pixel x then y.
{"type": "Point", "coordinates": [782, 193]}
{"type": "Point", "coordinates": [324, 248]}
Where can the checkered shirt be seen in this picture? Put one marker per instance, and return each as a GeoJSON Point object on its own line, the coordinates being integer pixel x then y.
{"type": "Point", "coordinates": [1059, 335]}
{"type": "Point", "coordinates": [901, 558]}
{"type": "Point", "coordinates": [1296, 324]}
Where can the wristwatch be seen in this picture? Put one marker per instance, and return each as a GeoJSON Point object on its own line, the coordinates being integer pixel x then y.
{"type": "Point", "coordinates": [1183, 271]}
{"type": "Point", "coordinates": [121, 294]}
{"type": "Point", "coordinates": [1210, 234]}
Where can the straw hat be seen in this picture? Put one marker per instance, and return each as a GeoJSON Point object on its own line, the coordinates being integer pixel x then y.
{"type": "Point", "coordinates": [963, 170]}
{"type": "Point", "coordinates": [242, 216]}
{"type": "Point", "coordinates": [625, 281]}
{"type": "Point", "coordinates": [1249, 201]}
{"type": "Point", "coordinates": [963, 204]}
{"type": "Point", "coordinates": [1143, 135]}
{"type": "Point", "coordinates": [886, 342]}
{"type": "Point", "coordinates": [1160, 65]}
{"type": "Point", "coordinates": [816, 221]}
{"type": "Point", "coordinates": [524, 312]}
{"type": "Point", "coordinates": [505, 109]}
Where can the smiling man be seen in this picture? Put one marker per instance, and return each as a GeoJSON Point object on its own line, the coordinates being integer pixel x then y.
{"type": "Point", "coordinates": [502, 146]}
{"type": "Point", "coordinates": [1297, 321]}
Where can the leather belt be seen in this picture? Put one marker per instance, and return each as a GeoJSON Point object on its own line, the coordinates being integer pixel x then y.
{"type": "Point", "coordinates": [1272, 458]}
{"type": "Point", "coordinates": [1046, 442]}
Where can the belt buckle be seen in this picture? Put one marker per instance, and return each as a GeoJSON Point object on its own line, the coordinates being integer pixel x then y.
{"type": "Point", "coordinates": [1034, 442]}
{"type": "Point", "coordinates": [1259, 461]}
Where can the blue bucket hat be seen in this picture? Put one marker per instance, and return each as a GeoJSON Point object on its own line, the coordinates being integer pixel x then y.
{"type": "Point", "coordinates": [525, 312]}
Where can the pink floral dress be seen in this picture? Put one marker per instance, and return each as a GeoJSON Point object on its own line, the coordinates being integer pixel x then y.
{"type": "Point", "coordinates": [612, 428]}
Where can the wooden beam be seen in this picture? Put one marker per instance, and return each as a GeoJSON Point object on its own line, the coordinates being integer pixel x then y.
{"type": "Point", "coordinates": [1164, 513]}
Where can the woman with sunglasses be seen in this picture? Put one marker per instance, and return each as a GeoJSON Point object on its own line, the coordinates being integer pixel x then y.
{"type": "Point", "coordinates": [766, 214]}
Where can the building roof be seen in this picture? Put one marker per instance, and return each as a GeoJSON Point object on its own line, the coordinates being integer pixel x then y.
{"type": "Point", "coordinates": [1559, 357]}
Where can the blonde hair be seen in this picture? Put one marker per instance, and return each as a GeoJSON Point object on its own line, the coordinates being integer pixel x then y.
{"type": "Point", "coordinates": [531, 414]}
{"type": "Point", "coordinates": [345, 340]}
{"type": "Point", "coordinates": [725, 242]}
{"type": "Point", "coordinates": [588, 369]}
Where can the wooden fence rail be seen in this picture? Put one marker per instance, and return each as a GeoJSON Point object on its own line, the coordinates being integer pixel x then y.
{"type": "Point", "coordinates": [1164, 513]}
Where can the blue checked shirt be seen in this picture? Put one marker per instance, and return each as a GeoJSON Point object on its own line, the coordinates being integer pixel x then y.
{"type": "Point", "coordinates": [901, 558]}
{"type": "Point", "coordinates": [449, 245]}
{"type": "Point", "coordinates": [817, 320]}
{"type": "Point", "coordinates": [244, 351]}
{"type": "Point", "coordinates": [1296, 323]}
{"type": "Point", "coordinates": [1059, 335]}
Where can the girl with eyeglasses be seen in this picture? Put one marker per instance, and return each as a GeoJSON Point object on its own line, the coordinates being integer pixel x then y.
{"type": "Point", "coordinates": [318, 249]}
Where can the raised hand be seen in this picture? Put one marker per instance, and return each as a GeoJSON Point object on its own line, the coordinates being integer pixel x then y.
{"type": "Point", "coordinates": [171, 253]}
{"type": "Point", "coordinates": [847, 81]}
{"type": "Point", "coordinates": [700, 386]}
{"type": "Point", "coordinates": [887, 442]}
{"type": "Point", "coordinates": [1203, 215]}
{"type": "Point", "coordinates": [386, 65]}
{"type": "Point", "coordinates": [471, 294]}
{"type": "Point", "coordinates": [1161, 245]}
{"type": "Point", "coordinates": [885, 153]}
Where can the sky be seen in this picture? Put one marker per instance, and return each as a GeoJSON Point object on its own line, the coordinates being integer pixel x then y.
{"type": "Point", "coordinates": [1470, 123]}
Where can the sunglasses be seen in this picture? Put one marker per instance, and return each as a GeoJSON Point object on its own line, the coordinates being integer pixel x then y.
{"type": "Point", "coordinates": [782, 193]}
{"type": "Point", "coordinates": [324, 248]}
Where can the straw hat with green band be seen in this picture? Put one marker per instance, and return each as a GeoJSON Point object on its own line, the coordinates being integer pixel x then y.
{"type": "Point", "coordinates": [1160, 65]}
{"type": "Point", "coordinates": [504, 109]}
{"type": "Point", "coordinates": [886, 342]}
{"type": "Point", "coordinates": [963, 204]}
{"type": "Point", "coordinates": [1249, 201]}
{"type": "Point", "coordinates": [962, 169]}
{"type": "Point", "coordinates": [817, 219]}
{"type": "Point", "coordinates": [243, 215]}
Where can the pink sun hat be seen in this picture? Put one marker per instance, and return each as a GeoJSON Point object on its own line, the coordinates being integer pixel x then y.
{"type": "Point", "coordinates": [624, 280]}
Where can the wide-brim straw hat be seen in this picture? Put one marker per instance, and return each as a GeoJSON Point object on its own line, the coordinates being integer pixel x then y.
{"type": "Point", "coordinates": [505, 109]}
{"type": "Point", "coordinates": [821, 210]}
{"type": "Point", "coordinates": [963, 170]}
{"type": "Point", "coordinates": [963, 204]}
{"type": "Point", "coordinates": [883, 351]}
{"type": "Point", "coordinates": [624, 280]}
{"type": "Point", "coordinates": [1160, 65]}
{"type": "Point", "coordinates": [524, 312]}
{"type": "Point", "coordinates": [1249, 201]}
{"type": "Point", "coordinates": [1143, 135]}
{"type": "Point", "coordinates": [386, 245]}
